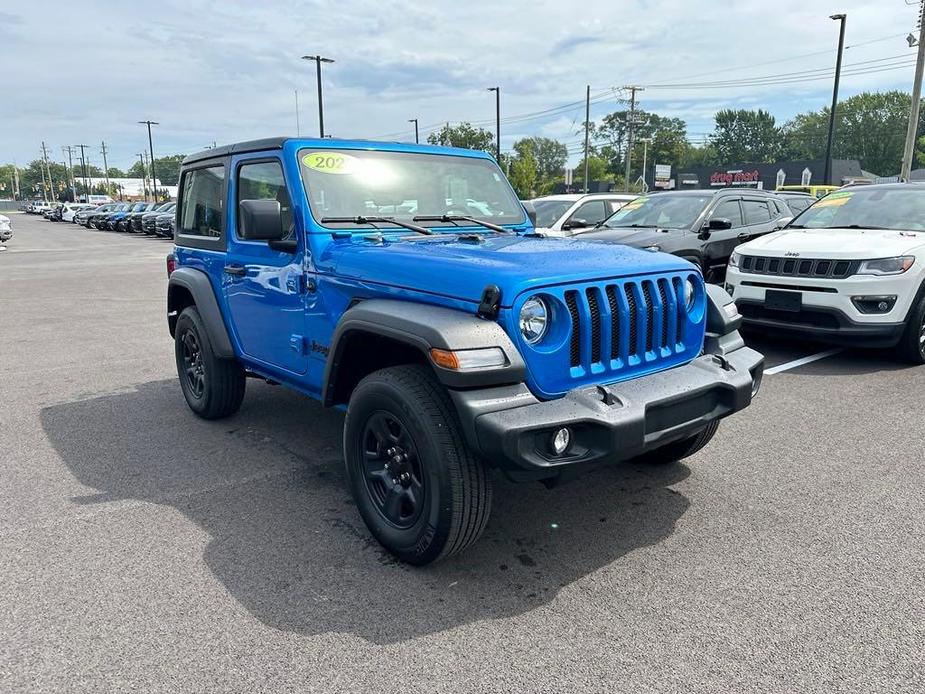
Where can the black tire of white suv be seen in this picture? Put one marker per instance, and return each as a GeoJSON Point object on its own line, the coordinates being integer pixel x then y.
{"type": "Point", "coordinates": [213, 387]}
{"type": "Point", "coordinates": [911, 345]}
{"type": "Point", "coordinates": [421, 491]}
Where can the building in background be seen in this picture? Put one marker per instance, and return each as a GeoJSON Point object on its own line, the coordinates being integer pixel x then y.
{"type": "Point", "coordinates": [764, 176]}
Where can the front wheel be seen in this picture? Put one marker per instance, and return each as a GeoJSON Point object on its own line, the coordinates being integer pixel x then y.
{"type": "Point", "coordinates": [421, 491]}
{"type": "Point", "coordinates": [678, 450]}
{"type": "Point", "coordinates": [213, 387]}
{"type": "Point", "coordinates": [911, 347]}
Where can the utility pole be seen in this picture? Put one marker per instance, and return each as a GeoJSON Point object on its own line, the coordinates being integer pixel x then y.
{"type": "Point", "coordinates": [497, 91]}
{"type": "Point", "coordinates": [70, 170]}
{"type": "Point", "coordinates": [144, 174]}
{"type": "Point", "coordinates": [149, 123]}
{"type": "Point", "coordinates": [83, 163]}
{"type": "Point", "coordinates": [105, 166]}
{"type": "Point", "coordinates": [587, 131]}
{"type": "Point", "coordinates": [298, 125]}
{"type": "Point", "coordinates": [51, 185]}
{"type": "Point", "coordinates": [629, 133]}
{"type": "Point", "coordinates": [827, 176]}
{"type": "Point", "coordinates": [417, 140]}
{"type": "Point", "coordinates": [913, 126]}
{"type": "Point", "coordinates": [318, 60]}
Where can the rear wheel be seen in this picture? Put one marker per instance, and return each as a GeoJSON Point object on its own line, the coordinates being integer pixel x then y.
{"type": "Point", "coordinates": [678, 450]}
{"type": "Point", "coordinates": [213, 387]}
{"type": "Point", "coordinates": [911, 345]}
{"type": "Point", "coordinates": [420, 490]}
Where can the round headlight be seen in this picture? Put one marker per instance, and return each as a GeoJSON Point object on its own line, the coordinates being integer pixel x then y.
{"type": "Point", "coordinates": [689, 294]}
{"type": "Point", "coordinates": [534, 320]}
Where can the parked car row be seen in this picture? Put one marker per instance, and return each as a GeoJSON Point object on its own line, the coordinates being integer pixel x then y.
{"type": "Point", "coordinates": [139, 217]}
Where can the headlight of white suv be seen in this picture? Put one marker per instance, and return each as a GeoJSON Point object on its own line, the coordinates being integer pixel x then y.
{"type": "Point", "coordinates": [734, 259]}
{"type": "Point", "coordinates": [886, 266]}
{"type": "Point", "coordinates": [534, 320]}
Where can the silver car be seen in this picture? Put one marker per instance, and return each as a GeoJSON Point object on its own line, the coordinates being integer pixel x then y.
{"type": "Point", "coordinates": [6, 228]}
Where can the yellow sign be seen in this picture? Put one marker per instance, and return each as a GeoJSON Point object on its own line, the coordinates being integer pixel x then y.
{"type": "Point", "coordinates": [634, 204]}
{"type": "Point", "coordinates": [833, 199]}
{"type": "Point", "coordinates": [330, 162]}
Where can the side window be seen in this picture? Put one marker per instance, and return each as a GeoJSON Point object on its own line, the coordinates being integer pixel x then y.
{"type": "Point", "coordinates": [592, 211]}
{"type": "Point", "coordinates": [201, 211]}
{"type": "Point", "coordinates": [729, 209]}
{"type": "Point", "coordinates": [756, 211]}
{"type": "Point", "coordinates": [264, 181]}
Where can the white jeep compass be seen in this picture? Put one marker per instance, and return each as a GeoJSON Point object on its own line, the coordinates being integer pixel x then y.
{"type": "Point", "coordinates": [850, 269]}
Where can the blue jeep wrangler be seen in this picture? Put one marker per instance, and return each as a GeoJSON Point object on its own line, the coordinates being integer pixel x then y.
{"type": "Point", "coordinates": [405, 284]}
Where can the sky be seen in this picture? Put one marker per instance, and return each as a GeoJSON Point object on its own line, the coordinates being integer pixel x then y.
{"type": "Point", "coordinates": [87, 72]}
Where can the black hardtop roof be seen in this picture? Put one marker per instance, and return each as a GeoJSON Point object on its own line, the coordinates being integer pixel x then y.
{"type": "Point", "coordinates": [236, 148]}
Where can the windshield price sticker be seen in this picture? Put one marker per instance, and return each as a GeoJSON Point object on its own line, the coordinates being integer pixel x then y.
{"type": "Point", "coordinates": [634, 204]}
{"type": "Point", "coordinates": [331, 162]}
{"type": "Point", "coordinates": [834, 199]}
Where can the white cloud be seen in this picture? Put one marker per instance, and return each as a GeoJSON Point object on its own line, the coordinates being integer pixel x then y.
{"type": "Point", "coordinates": [220, 71]}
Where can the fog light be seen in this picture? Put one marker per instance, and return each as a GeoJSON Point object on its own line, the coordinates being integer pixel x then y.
{"type": "Point", "coordinates": [874, 304]}
{"type": "Point", "coordinates": [561, 440]}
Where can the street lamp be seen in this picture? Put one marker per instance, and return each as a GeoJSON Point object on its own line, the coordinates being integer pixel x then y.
{"type": "Point", "coordinates": [415, 121]}
{"type": "Point", "coordinates": [149, 123]}
{"type": "Point", "coordinates": [318, 60]}
{"type": "Point", "coordinates": [827, 177]}
{"type": "Point", "coordinates": [497, 91]}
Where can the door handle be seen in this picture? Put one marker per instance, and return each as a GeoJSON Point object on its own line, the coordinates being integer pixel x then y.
{"type": "Point", "coordinates": [238, 270]}
{"type": "Point", "coordinates": [743, 236]}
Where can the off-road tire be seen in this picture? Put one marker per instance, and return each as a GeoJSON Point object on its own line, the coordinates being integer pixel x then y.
{"type": "Point", "coordinates": [911, 346]}
{"type": "Point", "coordinates": [678, 450]}
{"type": "Point", "coordinates": [220, 391]}
{"type": "Point", "coordinates": [456, 487]}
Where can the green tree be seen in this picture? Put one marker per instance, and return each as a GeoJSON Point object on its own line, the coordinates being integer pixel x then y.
{"type": "Point", "coordinates": [597, 171]}
{"type": "Point", "coordinates": [667, 140]}
{"type": "Point", "coordinates": [550, 155]}
{"type": "Point", "coordinates": [869, 127]}
{"type": "Point", "coordinates": [464, 135]}
{"type": "Point", "coordinates": [523, 172]}
{"type": "Point", "coordinates": [746, 136]}
{"type": "Point", "coordinates": [699, 156]}
{"type": "Point", "coordinates": [168, 169]}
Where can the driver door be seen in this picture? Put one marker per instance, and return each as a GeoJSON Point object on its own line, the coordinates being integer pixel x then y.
{"type": "Point", "coordinates": [720, 243]}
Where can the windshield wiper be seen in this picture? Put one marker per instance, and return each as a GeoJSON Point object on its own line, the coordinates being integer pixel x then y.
{"type": "Point", "coordinates": [460, 218]}
{"type": "Point", "coordinates": [381, 220]}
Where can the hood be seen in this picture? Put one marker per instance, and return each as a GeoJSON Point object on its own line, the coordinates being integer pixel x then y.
{"type": "Point", "coordinates": [461, 269]}
{"type": "Point", "coordinates": [847, 244]}
{"type": "Point", "coordinates": [638, 237]}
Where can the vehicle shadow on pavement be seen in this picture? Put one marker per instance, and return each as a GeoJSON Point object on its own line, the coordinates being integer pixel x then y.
{"type": "Point", "coordinates": [267, 485]}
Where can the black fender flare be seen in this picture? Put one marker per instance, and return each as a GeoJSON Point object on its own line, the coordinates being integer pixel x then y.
{"type": "Point", "coordinates": [425, 327]}
{"type": "Point", "coordinates": [197, 283]}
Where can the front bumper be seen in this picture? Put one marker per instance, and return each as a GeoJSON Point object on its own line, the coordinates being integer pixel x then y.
{"type": "Point", "coordinates": [827, 313]}
{"type": "Point", "coordinates": [512, 430]}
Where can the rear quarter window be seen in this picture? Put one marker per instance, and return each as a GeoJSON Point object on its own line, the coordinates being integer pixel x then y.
{"type": "Point", "coordinates": [201, 203]}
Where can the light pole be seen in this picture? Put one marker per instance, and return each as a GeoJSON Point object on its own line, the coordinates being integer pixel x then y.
{"type": "Point", "coordinates": [417, 140]}
{"type": "Point", "coordinates": [318, 60]}
{"type": "Point", "coordinates": [149, 123]}
{"type": "Point", "coordinates": [913, 126]}
{"type": "Point", "coordinates": [827, 177]}
{"type": "Point", "coordinates": [645, 154]}
{"type": "Point", "coordinates": [497, 91]}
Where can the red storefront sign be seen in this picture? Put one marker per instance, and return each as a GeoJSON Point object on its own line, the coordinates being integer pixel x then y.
{"type": "Point", "coordinates": [734, 178]}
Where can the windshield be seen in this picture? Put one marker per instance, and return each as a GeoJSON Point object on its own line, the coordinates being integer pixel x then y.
{"type": "Point", "coordinates": [901, 208]}
{"type": "Point", "coordinates": [665, 211]}
{"type": "Point", "coordinates": [404, 185]}
{"type": "Point", "coordinates": [549, 211]}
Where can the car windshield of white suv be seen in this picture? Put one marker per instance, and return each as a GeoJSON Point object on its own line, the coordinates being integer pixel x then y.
{"type": "Point", "coordinates": [901, 208]}
{"type": "Point", "coordinates": [548, 211]}
{"type": "Point", "coordinates": [348, 184]}
{"type": "Point", "coordinates": [663, 211]}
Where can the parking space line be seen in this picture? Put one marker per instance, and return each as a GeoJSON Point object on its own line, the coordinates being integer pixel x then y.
{"type": "Point", "coordinates": [800, 362]}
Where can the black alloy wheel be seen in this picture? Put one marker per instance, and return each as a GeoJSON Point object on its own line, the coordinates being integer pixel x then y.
{"type": "Point", "coordinates": [192, 362]}
{"type": "Point", "coordinates": [393, 474]}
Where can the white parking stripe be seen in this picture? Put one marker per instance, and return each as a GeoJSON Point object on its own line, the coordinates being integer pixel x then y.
{"type": "Point", "coordinates": [800, 362]}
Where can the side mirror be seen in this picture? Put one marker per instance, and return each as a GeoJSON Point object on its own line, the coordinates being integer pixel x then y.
{"type": "Point", "coordinates": [260, 220]}
{"type": "Point", "coordinates": [576, 223]}
{"type": "Point", "coordinates": [719, 224]}
{"type": "Point", "coordinates": [530, 209]}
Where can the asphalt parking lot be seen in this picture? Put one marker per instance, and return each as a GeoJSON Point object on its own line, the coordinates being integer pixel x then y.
{"type": "Point", "coordinates": [145, 549]}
